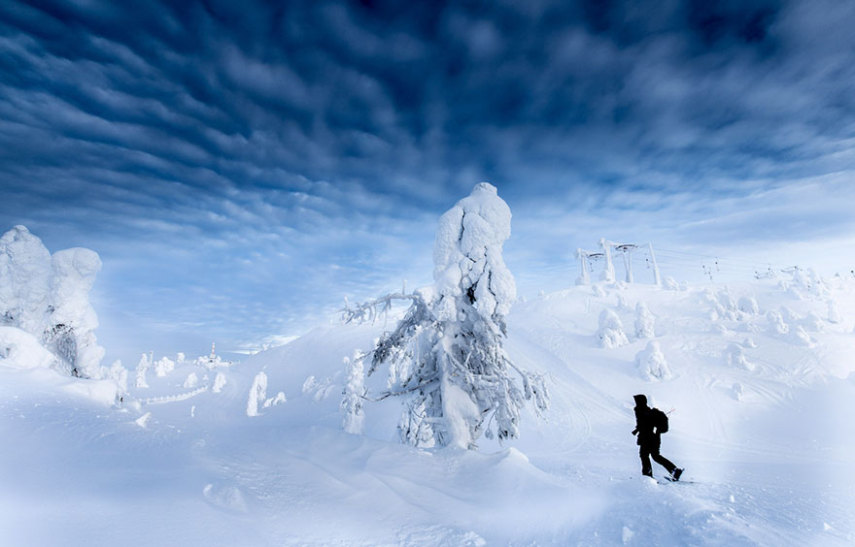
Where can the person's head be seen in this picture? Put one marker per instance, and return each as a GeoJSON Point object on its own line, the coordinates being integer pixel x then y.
{"type": "Point", "coordinates": [640, 400]}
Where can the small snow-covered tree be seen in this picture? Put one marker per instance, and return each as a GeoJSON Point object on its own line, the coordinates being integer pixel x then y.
{"type": "Point", "coordinates": [257, 394]}
{"type": "Point", "coordinates": [163, 366]}
{"type": "Point", "coordinates": [833, 312]}
{"type": "Point", "coordinates": [48, 296]}
{"type": "Point", "coordinates": [219, 382]}
{"type": "Point", "coordinates": [644, 321]}
{"type": "Point", "coordinates": [735, 356]}
{"type": "Point", "coordinates": [353, 416]}
{"type": "Point", "coordinates": [611, 333]}
{"type": "Point", "coordinates": [651, 363]}
{"type": "Point", "coordinates": [446, 355]}
{"type": "Point", "coordinates": [142, 369]}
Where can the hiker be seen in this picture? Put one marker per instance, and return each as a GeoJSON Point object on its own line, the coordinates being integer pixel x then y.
{"type": "Point", "coordinates": [649, 424]}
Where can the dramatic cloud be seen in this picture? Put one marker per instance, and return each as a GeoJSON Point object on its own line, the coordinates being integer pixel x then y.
{"type": "Point", "coordinates": [242, 166]}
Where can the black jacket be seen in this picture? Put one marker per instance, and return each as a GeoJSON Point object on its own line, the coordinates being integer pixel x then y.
{"type": "Point", "coordinates": [645, 426]}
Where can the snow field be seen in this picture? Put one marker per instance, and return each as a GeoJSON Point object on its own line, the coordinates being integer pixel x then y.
{"type": "Point", "coordinates": [768, 448]}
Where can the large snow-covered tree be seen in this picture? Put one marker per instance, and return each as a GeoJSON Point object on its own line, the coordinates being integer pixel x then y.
{"type": "Point", "coordinates": [48, 297]}
{"type": "Point", "coordinates": [446, 355]}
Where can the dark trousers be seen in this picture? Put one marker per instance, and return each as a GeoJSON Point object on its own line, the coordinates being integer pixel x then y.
{"type": "Point", "coordinates": [647, 450]}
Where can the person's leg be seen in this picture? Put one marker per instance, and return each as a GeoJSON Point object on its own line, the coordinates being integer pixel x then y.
{"type": "Point", "coordinates": [646, 468]}
{"type": "Point", "coordinates": [662, 460]}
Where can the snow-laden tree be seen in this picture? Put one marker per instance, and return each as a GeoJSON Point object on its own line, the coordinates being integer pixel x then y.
{"type": "Point", "coordinates": [25, 273]}
{"type": "Point", "coordinates": [257, 394]}
{"type": "Point", "coordinates": [652, 364]}
{"type": "Point", "coordinates": [142, 369]}
{"type": "Point", "coordinates": [353, 394]}
{"type": "Point", "coordinates": [446, 356]}
{"type": "Point", "coordinates": [645, 322]}
{"type": "Point", "coordinates": [611, 333]}
{"type": "Point", "coordinates": [48, 297]}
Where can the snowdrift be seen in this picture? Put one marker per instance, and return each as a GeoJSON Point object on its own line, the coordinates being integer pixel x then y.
{"type": "Point", "coordinates": [758, 378]}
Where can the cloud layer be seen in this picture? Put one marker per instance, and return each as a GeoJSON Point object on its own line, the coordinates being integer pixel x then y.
{"type": "Point", "coordinates": [242, 166]}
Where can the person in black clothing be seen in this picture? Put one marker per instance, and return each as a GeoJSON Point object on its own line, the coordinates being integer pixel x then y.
{"type": "Point", "coordinates": [648, 440]}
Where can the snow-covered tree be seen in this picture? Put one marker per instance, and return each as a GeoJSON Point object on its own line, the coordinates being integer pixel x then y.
{"type": "Point", "coordinates": [354, 390]}
{"type": "Point", "coordinates": [219, 382]}
{"type": "Point", "coordinates": [48, 297]}
{"type": "Point", "coordinates": [142, 369]}
{"type": "Point", "coordinates": [163, 366]}
{"type": "Point", "coordinates": [25, 272]}
{"type": "Point", "coordinates": [446, 355]}
{"type": "Point", "coordinates": [651, 363]}
{"type": "Point", "coordinates": [644, 321]}
{"type": "Point", "coordinates": [257, 394]}
{"type": "Point", "coordinates": [611, 333]}
{"type": "Point", "coordinates": [735, 356]}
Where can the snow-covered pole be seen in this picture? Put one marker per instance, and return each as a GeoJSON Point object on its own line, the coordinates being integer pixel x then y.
{"type": "Point", "coordinates": [656, 279]}
{"type": "Point", "coordinates": [608, 274]}
{"type": "Point", "coordinates": [584, 278]}
{"type": "Point", "coordinates": [627, 260]}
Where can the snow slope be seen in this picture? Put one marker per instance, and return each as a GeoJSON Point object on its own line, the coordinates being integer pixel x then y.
{"type": "Point", "coordinates": [760, 382]}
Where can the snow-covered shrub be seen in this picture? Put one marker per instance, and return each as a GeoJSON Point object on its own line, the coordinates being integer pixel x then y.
{"type": "Point", "coordinates": [813, 323]}
{"type": "Point", "coordinates": [748, 305]}
{"type": "Point", "coordinates": [611, 333]}
{"type": "Point", "coordinates": [800, 337]}
{"type": "Point", "coordinates": [447, 352]}
{"type": "Point", "coordinates": [598, 291]}
{"type": "Point", "coordinates": [776, 323]}
{"type": "Point", "coordinates": [728, 304]}
{"type": "Point", "coordinates": [48, 297]}
{"type": "Point", "coordinates": [671, 284]}
{"type": "Point", "coordinates": [275, 401]}
{"type": "Point", "coordinates": [789, 315]}
{"type": "Point", "coordinates": [737, 391]}
{"type": "Point", "coordinates": [651, 363]}
{"type": "Point", "coordinates": [163, 366]}
{"type": "Point", "coordinates": [219, 382]}
{"type": "Point", "coordinates": [142, 368]}
{"type": "Point", "coordinates": [353, 416]}
{"type": "Point", "coordinates": [833, 312]}
{"type": "Point", "coordinates": [644, 321]}
{"type": "Point", "coordinates": [735, 356]}
{"type": "Point", "coordinates": [191, 381]}
{"type": "Point", "coordinates": [118, 374]}
{"type": "Point", "coordinates": [257, 394]}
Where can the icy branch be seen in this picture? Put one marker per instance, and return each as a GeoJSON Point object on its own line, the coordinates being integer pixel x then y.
{"type": "Point", "coordinates": [367, 312]}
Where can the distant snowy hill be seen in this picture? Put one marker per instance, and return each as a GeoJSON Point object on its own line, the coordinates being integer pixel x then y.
{"type": "Point", "coordinates": [759, 377]}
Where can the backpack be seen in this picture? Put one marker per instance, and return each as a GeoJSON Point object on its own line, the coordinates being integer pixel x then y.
{"type": "Point", "coordinates": [660, 420]}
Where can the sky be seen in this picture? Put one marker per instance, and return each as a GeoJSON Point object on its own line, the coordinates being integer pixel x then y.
{"type": "Point", "coordinates": [242, 167]}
